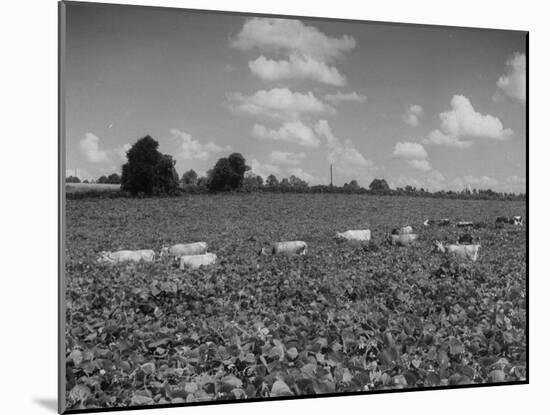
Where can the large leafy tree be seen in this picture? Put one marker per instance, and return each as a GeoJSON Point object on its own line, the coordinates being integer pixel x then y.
{"type": "Point", "coordinates": [379, 186]}
{"type": "Point", "coordinates": [148, 171]}
{"type": "Point", "coordinates": [228, 173]}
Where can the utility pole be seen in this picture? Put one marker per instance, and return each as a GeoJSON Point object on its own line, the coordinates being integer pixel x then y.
{"type": "Point", "coordinates": [330, 174]}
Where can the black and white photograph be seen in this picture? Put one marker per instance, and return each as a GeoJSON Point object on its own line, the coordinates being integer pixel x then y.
{"type": "Point", "coordinates": [256, 207]}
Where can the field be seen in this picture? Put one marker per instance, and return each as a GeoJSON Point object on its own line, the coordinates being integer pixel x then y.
{"type": "Point", "coordinates": [344, 318]}
{"type": "Point", "coordinates": [90, 187]}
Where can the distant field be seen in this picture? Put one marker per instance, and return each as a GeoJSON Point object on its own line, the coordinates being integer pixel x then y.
{"type": "Point", "coordinates": [342, 318]}
{"type": "Point", "coordinates": [86, 187]}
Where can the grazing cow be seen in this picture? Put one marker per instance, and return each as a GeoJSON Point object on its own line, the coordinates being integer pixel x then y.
{"type": "Point", "coordinates": [513, 220]}
{"type": "Point", "coordinates": [466, 252]}
{"type": "Point", "coordinates": [405, 230]}
{"type": "Point", "coordinates": [195, 248]}
{"type": "Point", "coordinates": [146, 255]}
{"type": "Point", "coordinates": [465, 224]}
{"type": "Point", "coordinates": [401, 240]}
{"type": "Point", "coordinates": [356, 236]}
{"type": "Point", "coordinates": [440, 222]}
{"type": "Point", "coordinates": [196, 261]}
{"type": "Point", "coordinates": [286, 248]}
{"type": "Point", "coordinates": [465, 239]}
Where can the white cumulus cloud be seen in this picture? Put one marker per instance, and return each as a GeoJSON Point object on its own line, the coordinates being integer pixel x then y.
{"type": "Point", "coordinates": [291, 131]}
{"type": "Point", "coordinates": [89, 146]}
{"type": "Point", "coordinates": [413, 114]}
{"type": "Point", "coordinates": [343, 154]}
{"type": "Point", "coordinates": [279, 103]}
{"type": "Point", "coordinates": [345, 97]}
{"type": "Point", "coordinates": [263, 169]}
{"type": "Point", "coordinates": [296, 67]}
{"type": "Point", "coordinates": [290, 36]}
{"type": "Point", "coordinates": [192, 149]}
{"type": "Point", "coordinates": [414, 153]}
{"type": "Point", "coordinates": [463, 121]}
{"type": "Point", "coordinates": [285, 157]}
{"type": "Point", "coordinates": [514, 83]}
{"type": "Point", "coordinates": [409, 151]}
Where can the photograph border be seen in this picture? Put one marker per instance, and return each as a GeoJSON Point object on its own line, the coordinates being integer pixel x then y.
{"type": "Point", "coordinates": [62, 204]}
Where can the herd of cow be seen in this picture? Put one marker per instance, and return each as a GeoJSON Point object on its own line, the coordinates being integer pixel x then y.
{"type": "Point", "coordinates": [195, 255]}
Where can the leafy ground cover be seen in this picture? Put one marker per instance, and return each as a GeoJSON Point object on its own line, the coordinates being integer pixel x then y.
{"type": "Point", "coordinates": [343, 318]}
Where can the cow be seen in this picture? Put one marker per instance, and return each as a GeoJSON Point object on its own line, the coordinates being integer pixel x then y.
{"type": "Point", "coordinates": [195, 248]}
{"type": "Point", "coordinates": [197, 261]}
{"type": "Point", "coordinates": [439, 222]}
{"type": "Point", "coordinates": [146, 255]}
{"type": "Point", "coordinates": [401, 240]}
{"type": "Point", "coordinates": [513, 220]}
{"type": "Point", "coordinates": [363, 235]}
{"type": "Point", "coordinates": [405, 230]}
{"type": "Point", "coordinates": [466, 252]}
{"type": "Point", "coordinates": [464, 224]}
{"type": "Point", "coordinates": [285, 248]}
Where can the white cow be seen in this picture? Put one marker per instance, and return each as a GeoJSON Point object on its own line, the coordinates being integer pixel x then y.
{"type": "Point", "coordinates": [362, 235]}
{"type": "Point", "coordinates": [196, 261]}
{"type": "Point", "coordinates": [467, 252]}
{"type": "Point", "coordinates": [286, 248]}
{"type": "Point", "coordinates": [195, 248]}
{"type": "Point", "coordinates": [146, 255]}
{"type": "Point", "coordinates": [402, 240]}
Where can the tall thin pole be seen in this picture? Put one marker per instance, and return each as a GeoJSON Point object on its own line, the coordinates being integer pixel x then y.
{"type": "Point", "coordinates": [330, 174]}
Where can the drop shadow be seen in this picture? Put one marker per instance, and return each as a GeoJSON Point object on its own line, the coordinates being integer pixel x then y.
{"type": "Point", "coordinates": [48, 403]}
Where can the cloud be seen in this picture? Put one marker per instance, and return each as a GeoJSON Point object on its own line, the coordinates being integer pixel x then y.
{"type": "Point", "coordinates": [263, 170]}
{"type": "Point", "coordinates": [291, 131]}
{"type": "Point", "coordinates": [414, 153]}
{"type": "Point", "coordinates": [296, 67]}
{"type": "Point", "coordinates": [409, 151]}
{"type": "Point", "coordinates": [422, 165]}
{"type": "Point", "coordinates": [191, 149]}
{"type": "Point", "coordinates": [120, 152]}
{"type": "Point", "coordinates": [279, 103]}
{"type": "Point", "coordinates": [304, 175]}
{"type": "Point", "coordinates": [343, 154]}
{"type": "Point", "coordinates": [283, 157]}
{"type": "Point", "coordinates": [413, 114]}
{"type": "Point", "coordinates": [462, 121]}
{"type": "Point", "coordinates": [89, 146]}
{"type": "Point", "coordinates": [342, 97]}
{"type": "Point", "coordinates": [290, 36]}
{"type": "Point", "coordinates": [513, 83]}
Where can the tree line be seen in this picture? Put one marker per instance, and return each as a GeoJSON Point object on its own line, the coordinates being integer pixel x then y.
{"type": "Point", "coordinates": [148, 172]}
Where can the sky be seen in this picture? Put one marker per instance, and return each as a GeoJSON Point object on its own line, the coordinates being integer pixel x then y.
{"type": "Point", "coordinates": [432, 107]}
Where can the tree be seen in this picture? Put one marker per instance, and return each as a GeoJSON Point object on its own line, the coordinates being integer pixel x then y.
{"type": "Point", "coordinates": [297, 183]}
{"type": "Point", "coordinates": [103, 180]}
{"type": "Point", "coordinates": [166, 176]}
{"type": "Point", "coordinates": [252, 182]}
{"type": "Point", "coordinates": [113, 179]}
{"type": "Point", "coordinates": [148, 171]}
{"type": "Point", "coordinates": [72, 179]}
{"type": "Point", "coordinates": [379, 186]}
{"type": "Point", "coordinates": [272, 181]}
{"type": "Point", "coordinates": [228, 173]}
{"type": "Point", "coordinates": [189, 177]}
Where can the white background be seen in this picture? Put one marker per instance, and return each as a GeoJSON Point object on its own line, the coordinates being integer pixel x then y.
{"type": "Point", "coordinates": [28, 228]}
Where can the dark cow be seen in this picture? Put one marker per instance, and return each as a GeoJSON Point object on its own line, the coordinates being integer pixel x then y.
{"type": "Point", "coordinates": [438, 222]}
